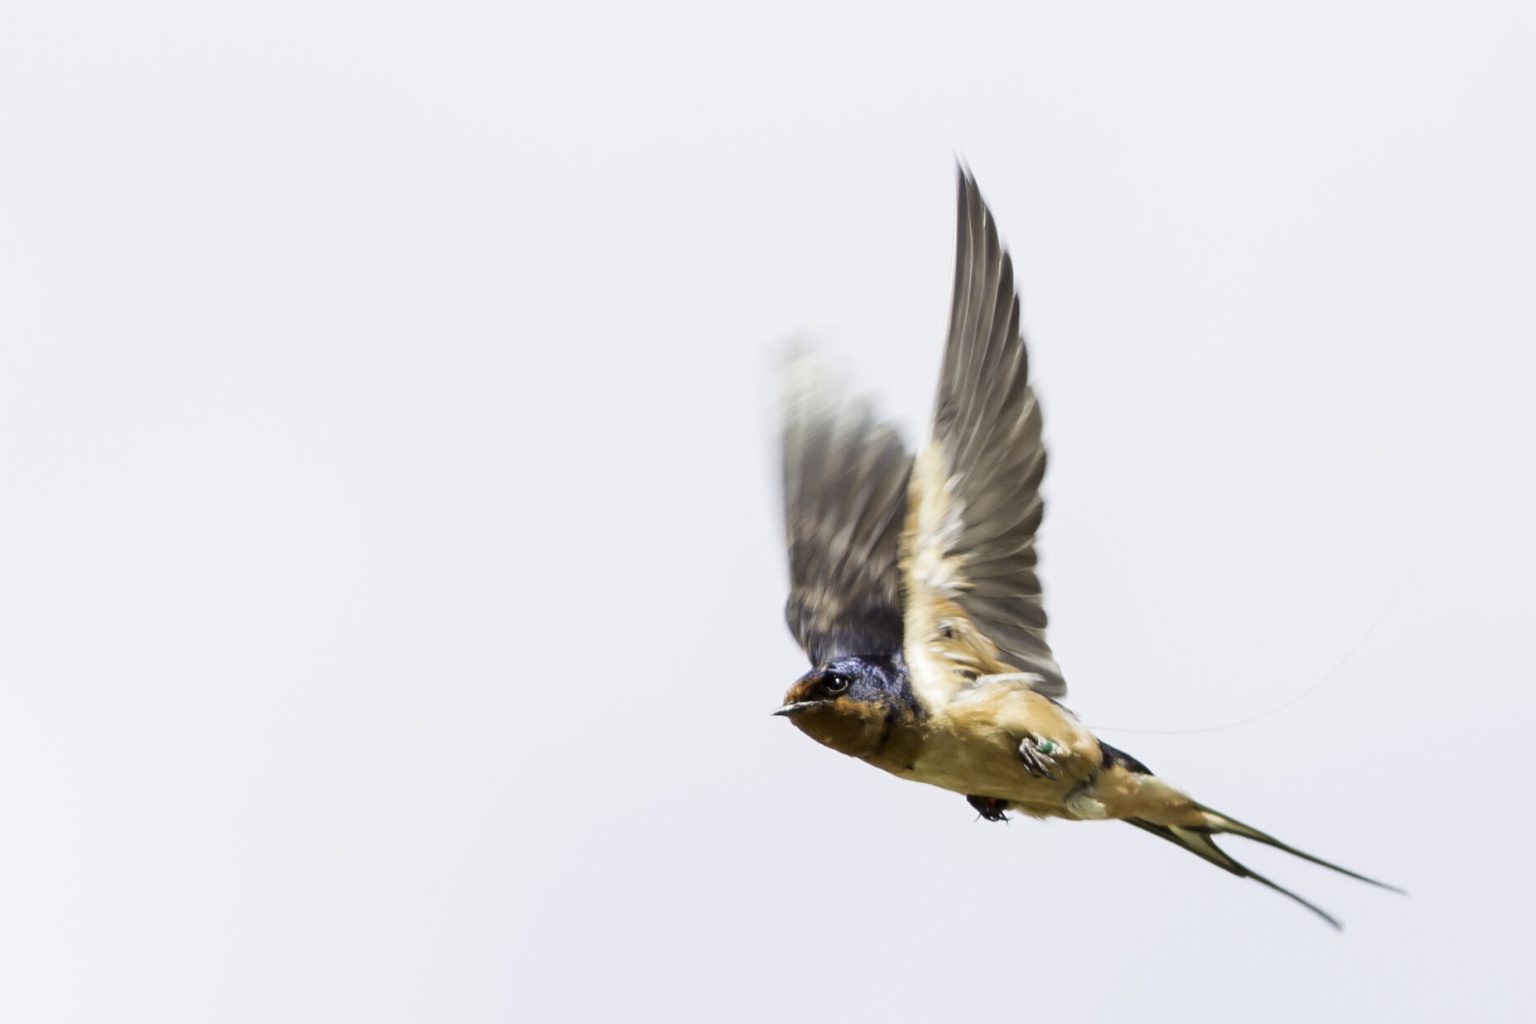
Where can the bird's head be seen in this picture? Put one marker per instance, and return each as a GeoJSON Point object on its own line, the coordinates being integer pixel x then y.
{"type": "Point", "coordinates": [850, 703]}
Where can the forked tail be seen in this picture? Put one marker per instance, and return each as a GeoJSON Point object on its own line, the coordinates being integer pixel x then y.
{"type": "Point", "coordinates": [1199, 840]}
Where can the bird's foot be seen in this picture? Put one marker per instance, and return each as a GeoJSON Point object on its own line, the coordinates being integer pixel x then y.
{"type": "Point", "coordinates": [989, 807]}
{"type": "Point", "coordinates": [1039, 756]}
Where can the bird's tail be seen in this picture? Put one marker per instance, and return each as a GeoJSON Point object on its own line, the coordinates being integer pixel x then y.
{"type": "Point", "coordinates": [1199, 839]}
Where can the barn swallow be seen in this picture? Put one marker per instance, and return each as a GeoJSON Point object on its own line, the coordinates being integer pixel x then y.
{"type": "Point", "coordinates": [913, 588]}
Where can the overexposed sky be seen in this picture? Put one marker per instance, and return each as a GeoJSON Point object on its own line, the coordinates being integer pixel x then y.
{"type": "Point", "coordinates": [390, 561]}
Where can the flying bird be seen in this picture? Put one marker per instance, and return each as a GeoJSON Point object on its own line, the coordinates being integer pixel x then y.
{"type": "Point", "coordinates": [913, 588]}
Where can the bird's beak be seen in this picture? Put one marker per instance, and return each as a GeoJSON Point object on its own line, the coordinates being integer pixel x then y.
{"type": "Point", "coordinates": [797, 706]}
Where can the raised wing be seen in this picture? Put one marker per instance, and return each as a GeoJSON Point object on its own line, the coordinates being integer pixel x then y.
{"type": "Point", "coordinates": [973, 600]}
{"type": "Point", "coordinates": [845, 497]}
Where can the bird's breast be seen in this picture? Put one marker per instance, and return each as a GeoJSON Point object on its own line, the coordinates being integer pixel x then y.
{"type": "Point", "coordinates": [974, 761]}
{"type": "Point", "coordinates": [970, 748]}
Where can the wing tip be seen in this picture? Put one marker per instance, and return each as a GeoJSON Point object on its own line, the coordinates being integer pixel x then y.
{"type": "Point", "coordinates": [814, 392]}
{"type": "Point", "coordinates": [963, 172]}
{"type": "Point", "coordinates": [969, 191]}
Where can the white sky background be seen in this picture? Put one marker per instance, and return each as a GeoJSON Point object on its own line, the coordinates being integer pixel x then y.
{"type": "Point", "coordinates": [390, 565]}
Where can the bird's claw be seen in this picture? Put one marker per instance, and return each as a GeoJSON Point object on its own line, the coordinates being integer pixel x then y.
{"type": "Point", "coordinates": [989, 807]}
{"type": "Point", "coordinates": [1039, 756]}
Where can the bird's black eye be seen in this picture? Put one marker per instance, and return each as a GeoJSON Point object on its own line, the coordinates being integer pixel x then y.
{"type": "Point", "coordinates": [836, 682]}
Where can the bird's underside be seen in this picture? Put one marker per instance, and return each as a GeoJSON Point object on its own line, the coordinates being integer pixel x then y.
{"type": "Point", "coordinates": [913, 586]}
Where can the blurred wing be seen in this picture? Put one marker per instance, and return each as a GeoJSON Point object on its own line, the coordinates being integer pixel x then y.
{"type": "Point", "coordinates": [845, 497]}
{"type": "Point", "coordinates": [973, 601]}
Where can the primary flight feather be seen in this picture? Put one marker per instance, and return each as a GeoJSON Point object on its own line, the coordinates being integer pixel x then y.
{"type": "Point", "coordinates": [913, 588]}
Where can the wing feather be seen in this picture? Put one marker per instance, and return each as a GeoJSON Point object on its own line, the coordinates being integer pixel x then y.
{"type": "Point", "coordinates": [845, 498]}
{"type": "Point", "coordinates": [974, 602]}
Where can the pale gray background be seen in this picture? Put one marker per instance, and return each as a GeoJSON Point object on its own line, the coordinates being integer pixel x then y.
{"type": "Point", "coordinates": [390, 578]}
